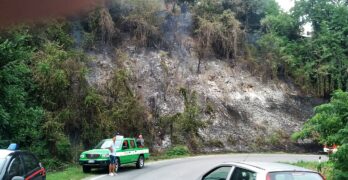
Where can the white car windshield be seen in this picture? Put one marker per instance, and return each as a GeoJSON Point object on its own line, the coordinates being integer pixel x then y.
{"type": "Point", "coordinates": [107, 143]}
{"type": "Point", "coordinates": [294, 176]}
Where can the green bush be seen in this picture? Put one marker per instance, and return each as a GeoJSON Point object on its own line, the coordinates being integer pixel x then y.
{"type": "Point", "coordinates": [329, 126]}
{"type": "Point", "coordinates": [178, 151]}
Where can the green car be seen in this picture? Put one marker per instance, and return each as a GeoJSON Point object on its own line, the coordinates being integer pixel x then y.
{"type": "Point", "coordinates": [127, 152]}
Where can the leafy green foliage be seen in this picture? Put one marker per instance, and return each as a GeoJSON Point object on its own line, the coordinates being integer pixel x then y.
{"type": "Point", "coordinates": [250, 12]}
{"type": "Point", "coordinates": [318, 64]}
{"type": "Point", "coordinates": [60, 76]}
{"type": "Point", "coordinates": [20, 115]}
{"type": "Point", "coordinates": [177, 151]}
{"type": "Point", "coordinates": [328, 120]}
{"type": "Point", "coordinates": [329, 126]}
{"type": "Point", "coordinates": [127, 113]}
{"type": "Point", "coordinates": [184, 127]}
{"type": "Point", "coordinates": [282, 24]}
{"type": "Point", "coordinates": [189, 120]}
{"type": "Point", "coordinates": [47, 106]}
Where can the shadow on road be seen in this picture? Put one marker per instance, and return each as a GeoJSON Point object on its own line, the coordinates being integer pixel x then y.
{"type": "Point", "coordinates": [100, 171]}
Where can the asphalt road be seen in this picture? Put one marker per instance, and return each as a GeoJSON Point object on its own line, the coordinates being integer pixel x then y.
{"type": "Point", "coordinates": [193, 167]}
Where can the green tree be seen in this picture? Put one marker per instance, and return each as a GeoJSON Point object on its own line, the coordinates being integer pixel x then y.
{"type": "Point", "coordinates": [317, 63]}
{"type": "Point", "coordinates": [329, 126]}
{"type": "Point", "coordinates": [189, 122]}
{"type": "Point", "coordinates": [20, 115]}
{"type": "Point", "coordinates": [250, 12]}
{"type": "Point", "coordinates": [127, 114]}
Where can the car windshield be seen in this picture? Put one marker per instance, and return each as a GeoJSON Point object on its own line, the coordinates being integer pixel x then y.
{"type": "Point", "coordinates": [295, 176]}
{"type": "Point", "coordinates": [107, 143]}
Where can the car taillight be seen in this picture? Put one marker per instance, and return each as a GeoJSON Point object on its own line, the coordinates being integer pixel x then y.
{"type": "Point", "coordinates": [268, 177]}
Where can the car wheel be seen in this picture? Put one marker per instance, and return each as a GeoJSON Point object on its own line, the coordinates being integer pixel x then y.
{"type": "Point", "coordinates": [141, 162]}
{"type": "Point", "coordinates": [86, 169]}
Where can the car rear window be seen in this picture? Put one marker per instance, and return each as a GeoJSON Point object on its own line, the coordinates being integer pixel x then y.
{"type": "Point", "coordinates": [294, 176]}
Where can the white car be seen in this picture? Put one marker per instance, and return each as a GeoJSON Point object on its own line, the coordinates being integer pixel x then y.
{"type": "Point", "coordinates": [260, 171]}
{"type": "Point", "coordinates": [330, 150]}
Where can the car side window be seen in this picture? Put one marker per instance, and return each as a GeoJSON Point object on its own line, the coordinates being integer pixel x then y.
{"type": "Point", "coordinates": [243, 174]}
{"type": "Point", "coordinates": [220, 173]}
{"type": "Point", "coordinates": [125, 145]}
{"type": "Point", "coordinates": [15, 168]}
{"type": "Point", "coordinates": [132, 144]}
{"type": "Point", "coordinates": [30, 163]}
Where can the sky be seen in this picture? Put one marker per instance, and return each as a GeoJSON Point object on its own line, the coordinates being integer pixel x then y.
{"type": "Point", "coordinates": [286, 5]}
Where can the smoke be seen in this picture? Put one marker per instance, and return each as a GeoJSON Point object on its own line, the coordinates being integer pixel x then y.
{"type": "Point", "coordinates": [18, 11]}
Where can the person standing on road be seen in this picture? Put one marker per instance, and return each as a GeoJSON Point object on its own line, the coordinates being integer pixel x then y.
{"type": "Point", "coordinates": [112, 155]}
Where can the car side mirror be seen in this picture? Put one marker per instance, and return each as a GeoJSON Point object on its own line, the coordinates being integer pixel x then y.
{"type": "Point", "coordinates": [17, 178]}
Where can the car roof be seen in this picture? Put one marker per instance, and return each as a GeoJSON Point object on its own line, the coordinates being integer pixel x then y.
{"type": "Point", "coordinates": [4, 153]}
{"type": "Point", "coordinates": [124, 138]}
{"type": "Point", "coordinates": [268, 166]}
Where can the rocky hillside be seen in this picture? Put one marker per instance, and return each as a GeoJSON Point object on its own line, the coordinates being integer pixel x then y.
{"type": "Point", "coordinates": [241, 110]}
{"type": "Point", "coordinates": [203, 75]}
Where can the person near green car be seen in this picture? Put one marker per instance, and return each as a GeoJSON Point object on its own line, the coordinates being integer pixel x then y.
{"type": "Point", "coordinates": [126, 149]}
{"type": "Point", "coordinates": [112, 156]}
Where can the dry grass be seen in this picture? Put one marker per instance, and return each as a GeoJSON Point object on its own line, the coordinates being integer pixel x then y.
{"type": "Point", "coordinates": [220, 34]}
{"type": "Point", "coordinates": [106, 24]}
{"type": "Point", "coordinates": [143, 22]}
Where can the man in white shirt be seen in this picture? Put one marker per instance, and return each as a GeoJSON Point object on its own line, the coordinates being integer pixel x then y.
{"type": "Point", "coordinates": [112, 155]}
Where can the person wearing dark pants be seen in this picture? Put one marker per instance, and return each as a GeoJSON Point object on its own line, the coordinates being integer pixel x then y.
{"type": "Point", "coordinates": [112, 155]}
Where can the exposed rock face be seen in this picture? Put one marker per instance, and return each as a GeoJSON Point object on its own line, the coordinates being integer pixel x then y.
{"type": "Point", "coordinates": [247, 114]}
{"type": "Point", "coordinates": [101, 70]}
{"type": "Point", "coordinates": [243, 113]}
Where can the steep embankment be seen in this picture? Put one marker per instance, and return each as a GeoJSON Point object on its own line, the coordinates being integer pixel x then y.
{"type": "Point", "coordinates": [242, 111]}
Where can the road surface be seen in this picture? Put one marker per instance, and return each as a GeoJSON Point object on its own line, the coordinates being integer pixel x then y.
{"type": "Point", "coordinates": [193, 167]}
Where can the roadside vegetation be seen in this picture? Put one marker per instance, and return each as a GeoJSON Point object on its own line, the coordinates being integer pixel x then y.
{"type": "Point", "coordinates": [70, 173]}
{"type": "Point", "coordinates": [329, 126]}
{"type": "Point", "coordinates": [48, 107]}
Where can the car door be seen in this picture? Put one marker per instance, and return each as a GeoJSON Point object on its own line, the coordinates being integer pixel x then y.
{"type": "Point", "coordinates": [32, 168]}
{"type": "Point", "coordinates": [125, 155]}
{"type": "Point", "coordinates": [15, 168]}
{"type": "Point", "coordinates": [218, 173]}
{"type": "Point", "coordinates": [133, 150]}
{"type": "Point", "coordinates": [243, 174]}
